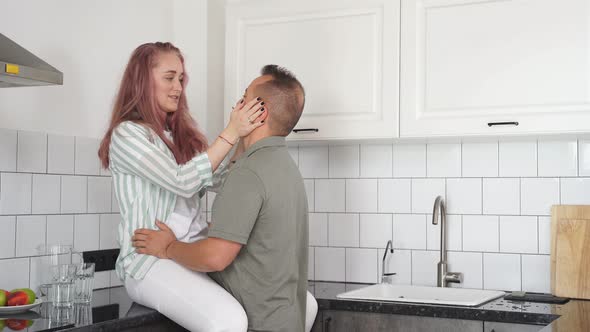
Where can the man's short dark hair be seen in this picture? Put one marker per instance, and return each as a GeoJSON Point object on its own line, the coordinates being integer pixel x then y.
{"type": "Point", "coordinates": [285, 97]}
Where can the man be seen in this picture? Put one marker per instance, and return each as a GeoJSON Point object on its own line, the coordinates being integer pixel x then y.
{"type": "Point", "coordinates": [258, 239]}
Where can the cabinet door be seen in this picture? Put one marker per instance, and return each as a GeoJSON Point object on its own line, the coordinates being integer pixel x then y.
{"type": "Point", "coordinates": [508, 327]}
{"type": "Point", "coordinates": [469, 64]}
{"type": "Point", "coordinates": [344, 52]}
{"type": "Point", "coordinates": [336, 321]}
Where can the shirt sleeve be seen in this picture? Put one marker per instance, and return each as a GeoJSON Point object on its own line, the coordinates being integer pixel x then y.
{"type": "Point", "coordinates": [219, 177]}
{"type": "Point", "coordinates": [131, 151]}
{"type": "Point", "coordinates": [237, 206]}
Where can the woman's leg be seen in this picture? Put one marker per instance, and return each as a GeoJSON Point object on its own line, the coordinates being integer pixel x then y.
{"type": "Point", "coordinates": [189, 298]}
{"type": "Point", "coordinates": [312, 311]}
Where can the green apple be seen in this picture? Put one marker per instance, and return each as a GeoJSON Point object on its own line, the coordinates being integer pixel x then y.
{"type": "Point", "coordinates": [2, 298]}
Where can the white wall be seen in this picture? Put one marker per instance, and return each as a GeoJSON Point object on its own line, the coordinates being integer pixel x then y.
{"type": "Point", "coordinates": [90, 42]}
{"type": "Point", "coordinates": [216, 66]}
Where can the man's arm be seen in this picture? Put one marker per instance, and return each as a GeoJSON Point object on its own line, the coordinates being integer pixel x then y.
{"type": "Point", "coordinates": [208, 255]}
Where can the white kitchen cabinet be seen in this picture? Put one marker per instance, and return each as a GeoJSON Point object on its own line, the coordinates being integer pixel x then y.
{"type": "Point", "coordinates": [345, 53]}
{"type": "Point", "coordinates": [467, 65]}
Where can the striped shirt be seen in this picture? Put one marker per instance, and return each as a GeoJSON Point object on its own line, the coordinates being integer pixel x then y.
{"type": "Point", "coordinates": [147, 180]}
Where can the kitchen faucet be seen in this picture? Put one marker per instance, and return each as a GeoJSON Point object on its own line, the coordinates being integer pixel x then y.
{"type": "Point", "coordinates": [443, 277]}
{"type": "Point", "coordinates": [384, 276]}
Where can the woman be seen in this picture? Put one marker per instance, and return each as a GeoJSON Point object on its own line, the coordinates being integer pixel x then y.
{"type": "Point", "coordinates": [161, 167]}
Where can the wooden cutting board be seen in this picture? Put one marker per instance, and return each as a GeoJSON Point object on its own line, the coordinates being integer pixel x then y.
{"type": "Point", "coordinates": [570, 251]}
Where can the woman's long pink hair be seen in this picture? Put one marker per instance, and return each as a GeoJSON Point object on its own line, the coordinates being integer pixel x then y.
{"type": "Point", "coordinates": [136, 102]}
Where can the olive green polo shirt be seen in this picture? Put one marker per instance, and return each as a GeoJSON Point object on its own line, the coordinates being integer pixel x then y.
{"type": "Point", "coordinates": [263, 206]}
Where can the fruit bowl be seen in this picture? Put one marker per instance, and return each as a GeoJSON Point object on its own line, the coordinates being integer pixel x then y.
{"type": "Point", "coordinates": [19, 308]}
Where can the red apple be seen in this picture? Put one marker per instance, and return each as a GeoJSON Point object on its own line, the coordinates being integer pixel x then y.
{"type": "Point", "coordinates": [17, 298]}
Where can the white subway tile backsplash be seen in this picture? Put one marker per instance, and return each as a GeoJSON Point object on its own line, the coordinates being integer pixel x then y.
{"type": "Point", "coordinates": [109, 223]}
{"type": "Point", "coordinates": [480, 159]}
{"type": "Point", "coordinates": [30, 233]}
{"type": "Point", "coordinates": [409, 231]}
{"type": "Point", "coordinates": [470, 264]}
{"type": "Point", "coordinates": [443, 160]}
{"type": "Point", "coordinates": [501, 196]}
{"type": "Point", "coordinates": [313, 161]}
{"type": "Point", "coordinates": [394, 195]}
{"type": "Point", "coordinates": [102, 279]}
{"type": "Point", "coordinates": [86, 158]}
{"type": "Point", "coordinates": [464, 196]}
{"type": "Point", "coordinates": [361, 195]}
{"type": "Point", "coordinates": [99, 194]}
{"type": "Point", "coordinates": [311, 263]}
{"type": "Point", "coordinates": [46, 194]}
{"type": "Point", "coordinates": [15, 193]}
{"type": "Point", "coordinates": [544, 235]}
{"type": "Point", "coordinates": [74, 190]}
{"type": "Point", "coordinates": [409, 160]}
{"type": "Point", "coordinates": [86, 227]}
{"type": "Point", "coordinates": [376, 161]}
{"type": "Point", "coordinates": [330, 264]}
{"type": "Point", "coordinates": [584, 157]}
{"type": "Point", "coordinates": [480, 233]}
{"type": "Point", "coordinates": [343, 230]}
{"type": "Point", "coordinates": [8, 243]}
{"type": "Point", "coordinates": [19, 273]}
{"type": "Point", "coordinates": [518, 234]}
{"type": "Point", "coordinates": [454, 231]}
{"type": "Point", "coordinates": [424, 267]}
{"type": "Point", "coordinates": [575, 191]}
{"type": "Point", "coordinates": [32, 152]}
{"type": "Point", "coordinates": [330, 196]}
{"type": "Point", "coordinates": [318, 229]}
{"type": "Point", "coordinates": [60, 229]}
{"type": "Point", "coordinates": [375, 230]}
{"type": "Point", "coordinates": [344, 161]}
{"type": "Point", "coordinates": [501, 272]}
{"type": "Point", "coordinates": [361, 265]}
{"type": "Point", "coordinates": [60, 154]}
{"type": "Point", "coordinates": [398, 262]}
{"type": "Point", "coordinates": [424, 192]}
{"type": "Point", "coordinates": [536, 273]}
{"type": "Point", "coordinates": [538, 195]}
{"type": "Point", "coordinates": [558, 158]}
{"type": "Point", "coordinates": [8, 146]}
{"type": "Point", "coordinates": [518, 159]}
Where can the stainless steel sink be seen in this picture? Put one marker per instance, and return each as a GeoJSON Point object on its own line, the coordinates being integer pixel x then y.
{"type": "Point", "coordinates": [423, 294]}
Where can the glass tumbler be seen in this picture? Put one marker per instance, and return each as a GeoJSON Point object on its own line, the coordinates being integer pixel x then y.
{"type": "Point", "coordinates": [83, 283]}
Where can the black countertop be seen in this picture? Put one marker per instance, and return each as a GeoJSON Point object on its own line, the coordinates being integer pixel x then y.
{"type": "Point", "coordinates": [112, 309]}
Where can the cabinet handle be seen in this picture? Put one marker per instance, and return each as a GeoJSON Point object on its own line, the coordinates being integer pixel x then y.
{"type": "Point", "coordinates": [327, 324]}
{"type": "Point", "coordinates": [315, 130]}
{"type": "Point", "coordinates": [511, 123]}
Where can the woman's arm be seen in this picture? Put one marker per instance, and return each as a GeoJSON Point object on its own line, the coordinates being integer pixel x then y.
{"type": "Point", "coordinates": [132, 152]}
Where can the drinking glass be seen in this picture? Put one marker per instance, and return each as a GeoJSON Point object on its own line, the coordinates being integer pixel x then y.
{"type": "Point", "coordinates": [84, 283]}
{"type": "Point", "coordinates": [62, 285]}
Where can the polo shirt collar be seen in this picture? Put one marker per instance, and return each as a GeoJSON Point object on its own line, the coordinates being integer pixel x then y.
{"type": "Point", "coordinates": [264, 143]}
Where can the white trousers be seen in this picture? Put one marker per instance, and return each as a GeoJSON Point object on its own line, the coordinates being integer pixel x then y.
{"type": "Point", "coordinates": [195, 301]}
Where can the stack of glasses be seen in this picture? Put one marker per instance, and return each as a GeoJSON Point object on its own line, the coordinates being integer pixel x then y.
{"type": "Point", "coordinates": [66, 282]}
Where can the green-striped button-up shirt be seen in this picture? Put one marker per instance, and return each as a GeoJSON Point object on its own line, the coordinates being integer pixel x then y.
{"type": "Point", "coordinates": [147, 180]}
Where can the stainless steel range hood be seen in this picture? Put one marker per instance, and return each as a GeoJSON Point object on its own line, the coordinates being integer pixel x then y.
{"type": "Point", "coordinates": [19, 67]}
